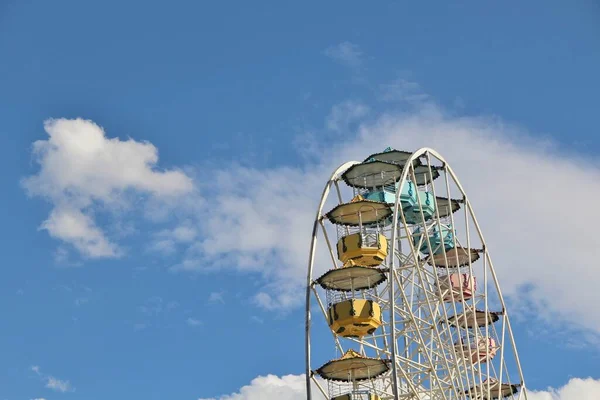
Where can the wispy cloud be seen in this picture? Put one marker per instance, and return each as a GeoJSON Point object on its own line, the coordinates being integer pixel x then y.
{"type": "Point", "coordinates": [58, 385]}
{"type": "Point", "coordinates": [167, 240]}
{"type": "Point", "coordinates": [156, 312]}
{"type": "Point", "coordinates": [139, 326]}
{"type": "Point", "coordinates": [193, 322]}
{"type": "Point", "coordinates": [346, 53]}
{"type": "Point", "coordinates": [403, 90]}
{"type": "Point", "coordinates": [52, 382]}
{"type": "Point", "coordinates": [216, 297]}
{"type": "Point", "coordinates": [491, 158]}
{"type": "Point", "coordinates": [156, 305]}
{"type": "Point", "coordinates": [81, 293]}
{"type": "Point", "coordinates": [343, 114]}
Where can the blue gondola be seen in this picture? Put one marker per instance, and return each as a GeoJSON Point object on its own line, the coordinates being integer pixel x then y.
{"type": "Point", "coordinates": [428, 204]}
{"type": "Point", "coordinates": [447, 237]}
{"type": "Point", "coordinates": [408, 197]}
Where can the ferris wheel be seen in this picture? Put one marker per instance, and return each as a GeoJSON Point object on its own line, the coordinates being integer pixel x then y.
{"type": "Point", "coordinates": [411, 298]}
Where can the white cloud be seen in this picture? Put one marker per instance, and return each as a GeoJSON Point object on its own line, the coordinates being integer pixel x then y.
{"type": "Point", "coordinates": [184, 233]}
{"type": "Point", "coordinates": [288, 387]}
{"type": "Point", "coordinates": [82, 172]}
{"type": "Point", "coordinates": [258, 218]}
{"type": "Point", "coordinates": [216, 297]}
{"type": "Point", "coordinates": [164, 246]}
{"type": "Point", "coordinates": [58, 385]}
{"type": "Point", "coordinates": [343, 114]}
{"type": "Point", "coordinates": [403, 90]}
{"type": "Point", "coordinates": [52, 382]}
{"type": "Point", "coordinates": [575, 389]}
{"type": "Point", "coordinates": [292, 387]}
{"type": "Point", "coordinates": [346, 53]}
{"type": "Point", "coordinates": [193, 321]}
{"type": "Point", "coordinates": [264, 300]}
{"type": "Point", "coordinates": [166, 240]}
{"type": "Point", "coordinates": [39, 398]}
{"type": "Point", "coordinates": [73, 226]}
{"type": "Point", "coordinates": [533, 201]}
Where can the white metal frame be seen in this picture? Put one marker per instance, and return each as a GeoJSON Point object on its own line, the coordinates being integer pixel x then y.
{"type": "Point", "coordinates": [425, 363]}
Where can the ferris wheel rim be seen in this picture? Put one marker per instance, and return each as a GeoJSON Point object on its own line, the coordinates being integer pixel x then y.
{"type": "Point", "coordinates": [309, 279]}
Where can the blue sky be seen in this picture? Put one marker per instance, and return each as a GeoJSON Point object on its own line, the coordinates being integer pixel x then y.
{"type": "Point", "coordinates": [150, 261]}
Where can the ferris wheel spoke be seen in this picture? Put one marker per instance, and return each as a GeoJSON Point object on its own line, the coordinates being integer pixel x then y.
{"type": "Point", "coordinates": [318, 385]}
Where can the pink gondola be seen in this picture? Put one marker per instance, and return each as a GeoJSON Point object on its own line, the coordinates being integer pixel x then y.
{"type": "Point", "coordinates": [455, 287]}
{"type": "Point", "coordinates": [479, 351]}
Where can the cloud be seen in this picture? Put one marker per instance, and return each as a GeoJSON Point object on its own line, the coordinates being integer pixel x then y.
{"type": "Point", "coordinates": [82, 172]}
{"type": "Point", "coordinates": [153, 306]}
{"type": "Point", "coordinates": [403, 90]}
{"type": "Point", "coordinates": [216, 297]}
{"type": "Point", "coordinates": [346, 53]}
{"type": "Point", "coordinates": [291, 387]}
{"type": "Point", "coordinates": [193, 321]}
{"type": "Point", "coordinates": [167, 240]}
{"type": "Point", "coordinates": [53, 383]}
{"type": "Point", "coordinates": [259, 221]}
{"type": "Point", "coordinates": [575, 389]}
{"type": "Point", "coordinates": [532, 199]}
{"type": "Point", "coordinates": [139, 326]}
{"type": "Point", "coordinates": [343, 114]}
{"type": "Point", "coordinates": [288, 387]}
{"type": "Point", "coordinates": [155, 311]}
{"type": "Point", "coordinates": [73, 226]}
{"type": "Point", "coordinates": [58, 385]}
{"type": "Point", "coordinates": [163, 246]}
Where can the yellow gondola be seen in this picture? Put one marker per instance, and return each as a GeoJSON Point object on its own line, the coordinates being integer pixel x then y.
{"type": "Point", "coordinates": [367, 250]}
{"type": "Point", "coordinates": [354, 317]}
